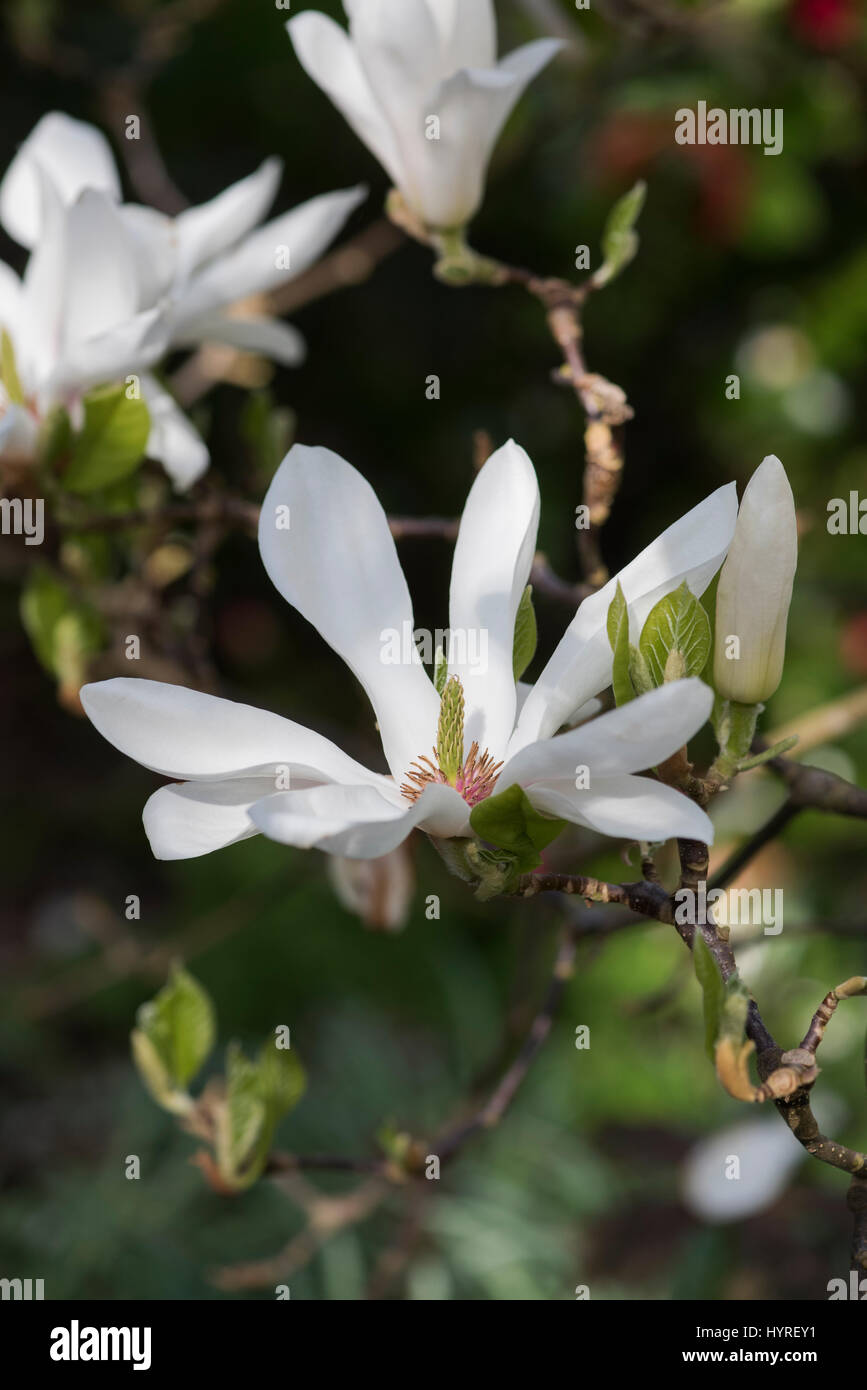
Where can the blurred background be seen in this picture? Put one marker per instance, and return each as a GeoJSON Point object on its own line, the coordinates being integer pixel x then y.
{"type": "Point", "coordinates": [600, 1174]}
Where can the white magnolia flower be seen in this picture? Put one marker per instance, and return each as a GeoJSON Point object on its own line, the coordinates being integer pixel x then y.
{"type": "Point", "coordinates": [337, 565]}
{"type": "Point", "coordinates": [419, 82]}
{"type": "Point", "coordinates": [755, 589]}
{"type": "Point", "coordinates": [110, 288]}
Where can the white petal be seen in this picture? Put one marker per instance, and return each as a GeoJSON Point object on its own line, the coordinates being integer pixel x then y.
{"type": "Point", "coordinates": [629, 739]}
{"type": "Point", "coordinates": [101, 275]}
{"type": "Point", "coordinates": [182, 733]}
{"type": "Point", "coordinates": [212, 228]}
{"type": "Point", "coordinates": [188, 819]}
{"type": "Point", "coordinates": [337, 565]}
{"type": "Point", "coordinates": [328, 56]}
{"type": "Point", "coordinates": [626, 807]}
{"type": "Point", "coordinates": [155, 241]}
{"type": "Point", "coordinates": [468, 33]}
{"type": "Point", "coordinates": [173, 439]}
{"type": "Point", "coordinates": [357, 822]}
{"type": "Point", "coordinates": [270, 337]}
{"type": "Point", "coordinates": [259, 263]}
{"type": "Point", "coordinates": [73, 154]}
{"type": "Point", "coordinates": [473, 106]}
{"type": "Point", "coordinates": [11, 291]}
{"type": "Point", "coordinates": [131, 347]}
{"type": "Point", "coordinates": [493, 554]}
{"type": "Point", "coordinates": [44, 291]}
{"type": "Point", "coordinates": [692, 549]}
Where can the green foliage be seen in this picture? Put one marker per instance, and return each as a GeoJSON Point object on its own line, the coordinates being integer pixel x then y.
{"type": "Point", "coordinates": [112, 441]}
{"type": "Point", "coordinates": [618, 636]}
{"type": "Point", "coordinates": [526, 634]}
{"type": "Point", "coordinates": [174, 1034]}
{"type": "Point", "coordinates": [509, 821]}
{"type": "Point", "coordinates": [9, 370]}
{"type": "Point", "coordinates": [676, 640]}
{"type": "Point", "coordinates": [258, 1095]}
{"type": "Point", "coordinates": [63, 630]}
{"type": "Point", "coordinates": [712, 987]}
{"type": "Point", "coordinates": [620, 239]}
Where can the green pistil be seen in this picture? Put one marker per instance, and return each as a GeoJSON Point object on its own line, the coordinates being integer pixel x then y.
{"type": "Point", "coordinates": [450, 731]}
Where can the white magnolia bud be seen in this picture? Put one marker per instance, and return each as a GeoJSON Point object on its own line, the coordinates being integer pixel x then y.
{"type": "Point", "coordinates": [755, 589]}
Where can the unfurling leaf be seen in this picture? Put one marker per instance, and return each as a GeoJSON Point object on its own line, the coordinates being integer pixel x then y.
{"type": "Point", "coordinates": [677, 624]}
{"type": "Point", "coordinates": [258, 1095]}
{"type": "Point", "coordinates": [620, 239]}
{"type": "Point", "coordinates": [618, 636]}
{"type": "Point", "coordinates": [112, 441]}
{"type": "Point", "coordinates": [174, 1034]}
{"type": "Point", "coordinates": [712, 987]}
{"type": "Point", "coordinates": [512, 823]}
{"type": "Point", "coordinates": [526, 635]}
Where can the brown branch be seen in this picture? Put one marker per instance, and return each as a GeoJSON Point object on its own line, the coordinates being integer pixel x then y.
{"type": "Point", "coordinates": [814, 788]}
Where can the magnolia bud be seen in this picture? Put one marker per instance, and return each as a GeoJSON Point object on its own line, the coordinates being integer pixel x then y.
{"type": "Point", "coordinates": [755, 589]}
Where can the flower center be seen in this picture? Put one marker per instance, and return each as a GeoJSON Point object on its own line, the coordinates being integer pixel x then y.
{"type": "Point", "coordinates": [473, 776]}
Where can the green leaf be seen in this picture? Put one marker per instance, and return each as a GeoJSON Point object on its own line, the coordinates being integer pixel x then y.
{"type": "Point", "coordinates": [676, 625]}
{"type": "Point", "coordinates": [112, 442]}
{"type": "Point", "coordinates": [512, 823]}
{"type": "Point", "coordinates": [258, 1095]}
{"type": "Point", "coordinates": [619, 239]}
{"type": "Point", "coordinates": [282, 1079]}
{"type": "Point", "coordinates": [618, 636]}
{"type": "Point", "coordinates": [268, 431]}
{"type": "Point", "coordinates": [179, 1025]}
{"type": "Point", "coordinates": [441, 670]}
{"type": "Point", "coordinates": [9, 370]}
{"type": "Point", "coordinates": [713, 989]}
{"type": "Point", "coordinates": [63, 631]}
{"type": "Point", "coordinates": [639, 672]}
{"type": "Point", "coordinates": [526, 634]}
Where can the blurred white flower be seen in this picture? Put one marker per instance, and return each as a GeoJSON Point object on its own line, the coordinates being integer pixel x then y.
{"type": "Point", "coordinates": [110, 288]}
{"type": "Point", "coordinates": [419, 82]}
{"type": "Point", "coordinates": [338, 567]}
{"type": "Point", "coordinates": [755, 589]}
{"type": "Point", "coordinates": [379, 891]}
{"type": "Point", "coordinates": [741, 1170]}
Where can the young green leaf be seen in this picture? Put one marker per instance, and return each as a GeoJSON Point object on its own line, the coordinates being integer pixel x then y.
{"type": "Point", "coordinates": [179, 1024]}
{"type": "Point", "coordinates": [112, 441]}
{"type": "Point", "coordinates": [713, 989]}
{"type": "Point", "coordinates": [510, 822]}
{"type": "Point", "coordinates": [619, 239]}
{"type": "Point", "coordinates": [618, 636]}
{"type": "Point", "coordinates": [676, 624]}
{"type": "Point", "coordinates": [526, 634]}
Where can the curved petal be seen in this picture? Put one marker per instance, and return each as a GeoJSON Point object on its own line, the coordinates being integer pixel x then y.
{"type": "Point", "coordinates": [155, 242]}
{"type": "Point", "coordinates": [73, 154]}
{"type": "Point", "coordinates": [275, 253]}
{"type": "Point", "coordinates": [629, 739]}
{"type": "Point", "coordinates": [101, 274]}
{"type": "Point", "coordinates": [467, 31]}
{"type": "Point", "coordinates": [184, 734]}
{"type": "Point", "coordinates": [188, 819]}
{"type": "Point", "coordinates": [212, 228]}
{"type": "Point", "coordinates": [326, 545]}
{"type": "Point", "coordinates": [692, 549]}
{"type": "Point", "coordinates": [493, 554]}
{"type": "Point", "coordinates": [473, 105]}
{"type": "Point", "coordinates": [11, 291]}
{"type": "Point", "coordinates": [131, 346]}
{"type": "Point", "coordinates": [625, 807]}
{"type": "Point", "coordinates": [44, 291]}
{"type": "Point", "coordinates": [173, 439]}
{"type": "Point", "coordinates": [357, 822]}
{"type": "Point", "coordinates": [271, 337]}
{"type": "Point", "coordinates": [328, 55]}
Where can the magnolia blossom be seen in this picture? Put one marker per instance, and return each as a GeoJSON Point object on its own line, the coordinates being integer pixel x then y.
{"type": "Point", "coordinates": [110, 288]}
{"type": "Point", "coordinates": [419, 82]}
{"type": "Point", "coordinates": [755, 589]}
{"type": "Point", "coordinates": [240, 770]}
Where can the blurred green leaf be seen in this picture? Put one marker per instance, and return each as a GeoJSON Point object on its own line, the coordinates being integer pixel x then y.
{"type": "Point", "coordinates": [177, 1029]}
{"type": "Point", "coordinates": [526, 634]}
{"type": "Point", "coordinates": [620, 239]}
{"type": "Point", "coordinates": [9, 370]}
{"type": "Point", "coordinates": [112, 441]}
